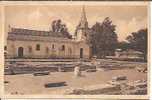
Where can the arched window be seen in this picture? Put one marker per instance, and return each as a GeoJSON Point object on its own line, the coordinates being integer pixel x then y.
{"type": "Point", "coordinates": [20, 52]}
{"type": "Point", "coordinates": [38, 47]}
{"type": "Point", "coordinates": [63, 48]}
{"type": "Point", "coordinates": [53, 47]}
{"type": "Point", "coordinates": [30, 49]}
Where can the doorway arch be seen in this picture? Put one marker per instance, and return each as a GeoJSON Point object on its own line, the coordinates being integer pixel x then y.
{"type": "Point", "coordinates": [20, 52]}
{"type": "Point", "coordinates": [81, 52]}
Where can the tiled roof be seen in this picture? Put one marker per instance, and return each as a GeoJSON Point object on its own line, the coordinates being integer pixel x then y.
{"type": "Point", "coordinates": [21, 31]}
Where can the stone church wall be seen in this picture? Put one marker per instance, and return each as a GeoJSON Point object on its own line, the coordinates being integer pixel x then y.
{"type": "Point", "coordinates": [47, 49]}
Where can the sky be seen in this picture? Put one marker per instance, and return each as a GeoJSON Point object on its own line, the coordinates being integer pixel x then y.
{"type": "Point", "coordinates": [1, 29]}
{"type": "Point", "coordinates": [0, 21]}
{"type": "Point", "coordinates": [39, 17]}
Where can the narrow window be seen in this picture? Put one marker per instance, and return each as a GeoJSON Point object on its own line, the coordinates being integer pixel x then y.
{"type": "Point", "coordinates": [53, 47]}
{"type": "Point", "coordinates": [63, 48]}
{"type": "Point", "coordinates": [38, 47]}
{"type": "Point", "coordinates": [5, 47]}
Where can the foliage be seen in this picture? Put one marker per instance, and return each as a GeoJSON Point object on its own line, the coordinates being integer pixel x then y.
{"type": "Point", "coordinates": [104, 38]}
{"type": "Point", "coordinates": [138, 41]}
{"type": "Point", "coordinates": [124, 45]}
{"type": "Point", "coordinates": [59, 27]}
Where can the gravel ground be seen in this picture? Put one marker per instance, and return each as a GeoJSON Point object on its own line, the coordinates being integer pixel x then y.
{"type": "Point", "coordinates": [29, 84]}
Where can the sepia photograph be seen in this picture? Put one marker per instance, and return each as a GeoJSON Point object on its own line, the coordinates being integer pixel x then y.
{"type": "Point", "coordinates": [76, 49]}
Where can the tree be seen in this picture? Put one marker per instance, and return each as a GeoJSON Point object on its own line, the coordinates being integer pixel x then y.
{"type": "Point", "coordinates": [59, 27]}
{"type": "Point", "coordinates": [138, 41]}
{"type": "Point", "coordinates": [53, 25]}
{"type": "Point", "coordinates": [104, 38]}
{"type": "Point", "coordinates": [124, 45]}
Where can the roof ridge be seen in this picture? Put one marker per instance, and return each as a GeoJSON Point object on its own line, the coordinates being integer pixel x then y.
{"type": "Point", "coordinates": [30, 29]}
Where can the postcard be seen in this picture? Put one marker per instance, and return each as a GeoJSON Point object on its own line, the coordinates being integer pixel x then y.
{"type": "Point", "coordinates": [75, 49]}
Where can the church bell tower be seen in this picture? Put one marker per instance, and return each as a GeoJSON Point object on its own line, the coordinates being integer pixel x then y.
{"type": "Point", "coordinates": [81, 29]}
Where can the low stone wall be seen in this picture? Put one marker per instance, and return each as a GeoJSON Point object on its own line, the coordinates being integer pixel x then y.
{"type": "Point", "coordinates": [45, 60]}
{"type": "Point", "coordinates": [46, 57]}
{"type": "Point", "coordinates": [29, 69]}
{"type": "Point", "coordinates": [95, 90]}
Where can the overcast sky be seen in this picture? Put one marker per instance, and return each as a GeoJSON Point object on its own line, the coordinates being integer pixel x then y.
{"type": "Point", "coordinates": [0, 21]}
{"type": "Point", "coordinates": [126, 18]}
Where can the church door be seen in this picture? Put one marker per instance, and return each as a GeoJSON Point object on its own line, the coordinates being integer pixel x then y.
{"type": "Point", "coordinates": [20, 52]}
{"type": "Point", "coordinates": [81, 52]}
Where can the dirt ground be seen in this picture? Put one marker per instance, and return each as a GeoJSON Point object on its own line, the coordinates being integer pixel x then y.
{"type": "Point", "coordinates": [29, 84]}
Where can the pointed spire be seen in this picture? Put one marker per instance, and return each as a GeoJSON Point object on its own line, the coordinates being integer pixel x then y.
{"type": "Point", "coordinates": [82, 28]}
{"type": "Point", "coordinates": [83, 15]}
{"type": "Point", "coordinates": [83, 21]}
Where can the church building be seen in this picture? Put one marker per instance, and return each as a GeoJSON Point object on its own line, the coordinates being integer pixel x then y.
{"type": "Point", "coordinates": [25, 43]}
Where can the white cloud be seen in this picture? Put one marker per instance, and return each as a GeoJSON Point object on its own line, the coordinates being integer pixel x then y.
{"type": "Point", "coordinates": [126, 27]}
